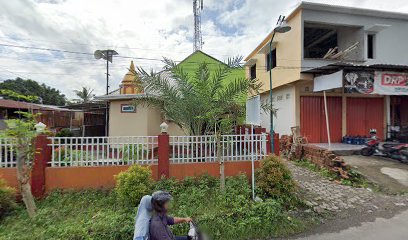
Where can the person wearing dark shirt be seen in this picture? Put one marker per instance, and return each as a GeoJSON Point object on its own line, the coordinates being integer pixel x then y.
{"type": "Point", "coordinates": [160, 222]}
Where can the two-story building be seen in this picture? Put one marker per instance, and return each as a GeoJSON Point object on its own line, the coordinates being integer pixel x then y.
{"type": "Point", "coordinates": [358, 56]}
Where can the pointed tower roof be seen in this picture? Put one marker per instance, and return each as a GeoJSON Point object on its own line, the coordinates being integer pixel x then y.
{"type": "Point", "coordinates": [130, 76]}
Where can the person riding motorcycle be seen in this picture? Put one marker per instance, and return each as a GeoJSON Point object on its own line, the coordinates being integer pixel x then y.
{"type": "Point", "coordinates": [160, 221]}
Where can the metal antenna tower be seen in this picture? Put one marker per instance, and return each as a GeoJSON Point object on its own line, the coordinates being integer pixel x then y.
{"type": "Point", "coordinates": [198, 37]}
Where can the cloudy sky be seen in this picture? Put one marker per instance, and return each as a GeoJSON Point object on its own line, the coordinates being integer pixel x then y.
{"type": "Point", "coordinates": [137, 29]}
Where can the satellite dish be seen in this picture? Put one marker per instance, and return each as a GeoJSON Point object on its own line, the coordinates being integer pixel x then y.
{"type": "Point", "coordinates": [98, 54]}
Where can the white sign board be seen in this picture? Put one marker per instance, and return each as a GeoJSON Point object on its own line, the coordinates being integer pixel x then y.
{"type": "Point", "coordinates": [390, 83]}
{"type": "Point", "coordinates": [327, 82]}
{"type": "Point", "coordinates": [253, 111]}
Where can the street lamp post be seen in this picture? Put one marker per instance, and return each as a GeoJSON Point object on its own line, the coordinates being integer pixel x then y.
{"type": "Point", "coordinates": [108, 56]}
{"type": "Point", "coordinates": [281, 27]}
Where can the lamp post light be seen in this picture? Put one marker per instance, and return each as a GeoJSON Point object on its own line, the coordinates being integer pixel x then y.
{"type": "Point", "coordinates": [281, 27]}
{"type": "Point", "coordinates": [40, 127]}
{"type": "Point", "coordinates": [164, 128]}
{"type": "Point", "coordinates": [108, 56]}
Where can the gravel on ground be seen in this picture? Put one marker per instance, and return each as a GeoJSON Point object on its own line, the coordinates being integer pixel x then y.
{"type": "Point", "coordinates": [343, 206]}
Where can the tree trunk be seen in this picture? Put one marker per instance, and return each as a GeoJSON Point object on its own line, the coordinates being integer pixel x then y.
{"type": "Point", "coordinates": [220, 159]}
{"type": "Point", "coordinates": [23, 176]}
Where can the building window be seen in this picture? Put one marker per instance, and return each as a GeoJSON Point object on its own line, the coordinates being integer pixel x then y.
{"type": "Point", "coordinates": [268, 60]}
{"type": "Point", "coordinates": [280, 98]}
{"type": "Point", "coordinates": [252, 71]}
{"type": "Point", "coordinates": [317, 41]}
{"type": "Point", "coordinates": [128, 108]}
{"type": "Point", "coordinates": [370, 46]}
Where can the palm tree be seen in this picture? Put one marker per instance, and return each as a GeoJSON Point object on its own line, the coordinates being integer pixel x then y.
{"type": "Point", "coordinates": [199, 103]}
{"type": "Point", "coordinates": [85, 95]}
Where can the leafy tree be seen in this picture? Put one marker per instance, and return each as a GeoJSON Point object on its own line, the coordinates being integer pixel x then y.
{"type": "Point", "coordinates": [198, 103]}
{"type": "Point", "coordinates": [202, 103]}
{"type": "Point", "coordinates": [45, 94]}
{"type": "Point", "coordinates": [22, 132]}
{"type": "Point", "coordinates": [85, 95]}
{"type": "Point", "coordinates": [9, 94]}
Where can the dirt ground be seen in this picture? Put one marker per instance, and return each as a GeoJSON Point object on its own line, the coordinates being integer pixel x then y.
{"type": "Point", "coordinates": [390, 175]}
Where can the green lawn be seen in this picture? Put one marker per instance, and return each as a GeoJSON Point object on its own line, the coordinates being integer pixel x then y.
{"type": "Point", "coordinates": [98, 215]}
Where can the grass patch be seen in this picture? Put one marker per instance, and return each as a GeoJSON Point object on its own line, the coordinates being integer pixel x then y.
{"type": "Point", "coordinates": [356, 178]}
{"type": "Point", "coordinates": [229, 214]}
{"type": "Point", "coordinates": [72, 215]}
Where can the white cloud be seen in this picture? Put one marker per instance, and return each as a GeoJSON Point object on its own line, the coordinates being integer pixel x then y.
{"type": "Point", "coordinates": [138, 28]}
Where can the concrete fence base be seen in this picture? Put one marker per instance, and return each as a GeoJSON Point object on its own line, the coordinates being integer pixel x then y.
{"type": "Point", "coordinates": [45, 179]}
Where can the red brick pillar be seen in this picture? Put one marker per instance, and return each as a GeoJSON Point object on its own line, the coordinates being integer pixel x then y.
{"type": "Point", "coordinates": [42, 156]}
{"type": "Point", "coordinates": [163, 154]}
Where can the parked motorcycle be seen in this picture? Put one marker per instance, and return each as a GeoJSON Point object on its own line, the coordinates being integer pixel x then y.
{"type": "Point", "coordinates": [374, 146]}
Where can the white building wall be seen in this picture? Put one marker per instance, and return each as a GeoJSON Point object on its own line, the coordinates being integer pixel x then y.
{"type": "Point", "coordinates": [284, 102]}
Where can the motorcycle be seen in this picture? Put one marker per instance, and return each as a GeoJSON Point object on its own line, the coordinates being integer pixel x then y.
{"type": "Point", "coordinates": [374, 146]}
{"type": "Point", "coordinates": [195, 233]}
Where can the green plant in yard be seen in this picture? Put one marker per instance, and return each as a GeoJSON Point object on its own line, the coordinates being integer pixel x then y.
{"type": "Point", "coordinates": [356, 179]}
{"type": "Point", "coordinates": [274, 179]}
{"type": "Point", "coordinates": [23, 133]}
{"type": "Point", "coordinates": [72, 215]}
{"type": "Point", "coordinates": [7, 199]}
{"type": "Point", "coordinates": [228, 214]}
{"type": "Point", "coordinates": [71, 157]}
{"type": "Point", "coordinates": [133, 184]}
{"type": "Point", "coordinates": [134, 152]}
{"type": "Point", "coordinates": [65, 132]}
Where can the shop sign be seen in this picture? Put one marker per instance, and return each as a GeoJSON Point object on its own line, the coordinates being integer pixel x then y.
{"type": "Point", "coordinates": [391, 83]}
{"type": "Point", "coordinates": [359, 82]}
{"type": "Point", "coordinates": [378, 82]}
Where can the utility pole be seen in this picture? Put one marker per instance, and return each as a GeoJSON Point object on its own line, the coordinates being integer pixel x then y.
{"type": "Point", "coordinates": [108, 56]}
{"type": "Point", "coordinates": [198, 37]}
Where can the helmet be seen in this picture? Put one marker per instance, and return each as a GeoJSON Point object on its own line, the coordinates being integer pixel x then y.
{"type": "Point", "coordinates": [159, 198]}
{"type": "Point", "coordinates": [373, 131]}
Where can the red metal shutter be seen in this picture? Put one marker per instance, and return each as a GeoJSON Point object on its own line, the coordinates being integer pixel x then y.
{"type": "Point", "coordinates": [310, 118]}
{"type": "Point", "coordinates": [313, 119]}
{"type": "Point", "coordinates": [335, 120]}
{"type": "Point", "coordinates": [364, 114]}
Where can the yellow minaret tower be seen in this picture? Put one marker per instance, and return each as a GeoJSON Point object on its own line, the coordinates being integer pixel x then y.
{"type": "Point", "coordinates": [128, 85]}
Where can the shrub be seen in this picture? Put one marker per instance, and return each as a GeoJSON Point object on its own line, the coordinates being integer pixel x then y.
{"type": "Point", "coordinates": [133, 184]}
{"type": "Point", "coordinates": [133, 152]}
{"type": "Point", "coordinates": [65, 132]}
{"type": "Point", "coordinates": [7, 199]}
{"type": "Point", "coordinates": [274, 180]}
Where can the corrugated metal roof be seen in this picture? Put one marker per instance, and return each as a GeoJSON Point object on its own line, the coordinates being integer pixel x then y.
{"type": "Point", "coordinates": [331, 68]}
{"type": "Point", "coordinates": [4, 103]}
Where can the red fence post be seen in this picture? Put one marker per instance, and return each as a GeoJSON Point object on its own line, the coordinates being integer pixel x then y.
{"type": "Point", "coordinates": [163, 155]}
{"type": "Point", "coordinates": [42, 156]}
{"type": "Point", "coordinates": [268, 143]}
{"type": "Point", "coordinates": [276, 144]}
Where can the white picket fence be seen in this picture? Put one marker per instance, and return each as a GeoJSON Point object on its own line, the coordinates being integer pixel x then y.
{"type": "Point", "coordinates": [192, 149]}
{"type": "Point", "coordinates": [108, 151]}
{"type": "Point", "coordinates": [7, 153]}
{"type": "Point", "coordinates": [103, 151]}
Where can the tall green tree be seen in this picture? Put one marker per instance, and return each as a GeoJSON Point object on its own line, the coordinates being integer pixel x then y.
{"type": "Point", "coordinates": [28, 87]}
{"type": "Point", "coordinates": [197, 102]}
{"type": "Point", "coordinates": [85, 95]}
{"type": "Point", "coordinates": [201, 103]}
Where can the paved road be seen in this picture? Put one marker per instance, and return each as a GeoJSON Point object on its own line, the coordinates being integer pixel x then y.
{"type": "Point", "coordinates": [394, 228]}
{"type": "Point", "coordinates": [390, 175]}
